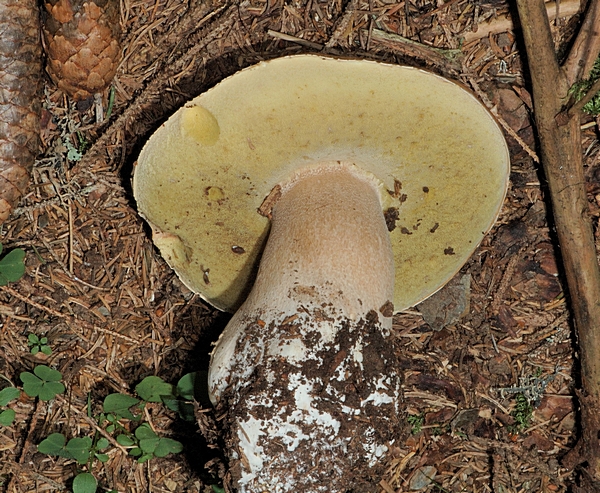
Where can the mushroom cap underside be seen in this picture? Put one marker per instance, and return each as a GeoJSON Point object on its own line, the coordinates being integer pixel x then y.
{"type": "Point", "coordinates": [439, 156]}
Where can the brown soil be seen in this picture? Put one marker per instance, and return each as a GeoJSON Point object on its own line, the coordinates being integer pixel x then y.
{"type": "Point", "coordinates": [335, 443]}
{"type": "Point", "coordinates": [115, 313]}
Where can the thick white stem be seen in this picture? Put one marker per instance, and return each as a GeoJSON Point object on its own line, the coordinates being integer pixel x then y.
{"type": "Point", "coordinates": [305, 369]}
{"type": "Point", "coordinates": [328, 244]}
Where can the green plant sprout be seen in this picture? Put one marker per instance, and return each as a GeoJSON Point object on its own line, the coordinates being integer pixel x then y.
{"type": "Point", "coordinates": [85, 482]}
{"type": "Point", "coordinates": [522, 413]}
{"type": "Point", "coordinates": [580, 89]}
{"type": "Point", "coordinates": [44, 383]}
{"type": "Point", "coordinates": [190, 387]}
{"type": "Point", "coordinates": [146, 444]}
{"type": "Point", "coordinates": [143, 442]}
{"type": "Point", "coordinates": [12, 265]}
{"type": "Point", "coordinates": [416, 421]}
{"type": "Point", "coordinates": [7, 395]}
{"type": "Point", "coordinates": [83, 450]}
{"type": "Point", "coordinates": [38, 344]}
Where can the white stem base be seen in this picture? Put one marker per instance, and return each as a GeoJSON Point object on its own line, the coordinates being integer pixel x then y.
{"type": "Point", "coordinates": [306, 370]}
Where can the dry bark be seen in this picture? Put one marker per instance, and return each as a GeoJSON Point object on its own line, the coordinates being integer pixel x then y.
{"type": "Point", "coordinates": [20, 84]}
{"type": "Point", "coordinates": [560, 143]}
{"type": "Point", "coordinates": [82, 41]}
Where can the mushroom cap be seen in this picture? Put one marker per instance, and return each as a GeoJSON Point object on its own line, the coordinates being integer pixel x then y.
{"type": "Point", "coordinates": [439, 155]}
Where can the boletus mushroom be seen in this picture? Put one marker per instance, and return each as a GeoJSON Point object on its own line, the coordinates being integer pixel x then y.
{"type": "Point", "coordinates": [318, 197]}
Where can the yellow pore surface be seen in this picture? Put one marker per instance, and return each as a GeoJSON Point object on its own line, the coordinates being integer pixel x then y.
{"type": "Point", "coordinates": [439, 155]}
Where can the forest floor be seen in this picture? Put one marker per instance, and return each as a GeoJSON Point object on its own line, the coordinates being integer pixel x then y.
{"type": "Point", "coordinates": [489, 394]}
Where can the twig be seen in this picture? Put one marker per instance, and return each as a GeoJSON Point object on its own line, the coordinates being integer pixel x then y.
{"type": "Point", "coordinates": [295, 39]}
{"type": "Point", "coordinates": [578, 106]}
{"type": "Point", "coordinates": [69, 319]}
{"type": "Point", "coordinates": [503, 23]}
{"type": "Point", "coordinates": [446, 60]}
{"type": "Point", "coordinates": [494, 110]}
{"type": "Point", "coordinates": [560, 145]}
{"type": "Point", "coordinates": [32, 303]}
{"type": "Point", "coordinates": [586, 47]}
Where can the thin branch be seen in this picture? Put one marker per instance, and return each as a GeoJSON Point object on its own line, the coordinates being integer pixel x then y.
{"type": "Point", "coordinates": [586, 48]}
{"type": "Point", "coordinates": [503, 23]}
{"type": "Point", "coordinates": [561, 156]}
{"type": "Point", "coordinates": [545, 71]}
{"type": "Point", "coordinates": [563, 168]}
{"type": "Point", "coordinates": [444, 59]}
{"type": "Point", "coordinates": [578, 106]}
{"type": "Point", "coordinates": [295, 39]}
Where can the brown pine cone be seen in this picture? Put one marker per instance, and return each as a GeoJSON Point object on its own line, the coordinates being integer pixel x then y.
{"type": "Point", "coordinates": [20, 87]}
{"type": "Point", "coordinates": [82, 42]}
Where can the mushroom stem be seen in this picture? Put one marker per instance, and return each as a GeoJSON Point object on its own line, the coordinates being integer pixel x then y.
{"type": "Point", "coordinates": [305, 370]}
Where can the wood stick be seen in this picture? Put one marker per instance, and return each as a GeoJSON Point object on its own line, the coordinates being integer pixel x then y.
{"type": "Point", "coordinates": [503, 23]}
{"type": "Point", "coordinates": [444, 59]}
{"type": "Point", "coordinates": [560, 146]}
{"type": "Point", "coordinates": [586, 47]}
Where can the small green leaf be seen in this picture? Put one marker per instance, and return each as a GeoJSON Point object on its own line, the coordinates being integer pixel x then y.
{"type": "Point", "coordinates": [144, 431]}
{"type": "Point", "coordinates": [110, 428]}
{"type": "Point", "coordinates": [152, 388]}
{"type": "Point", "coordinates": [44, 384]}
{"type": "Point", "coordinates": [172, 403]}
{"type": "Point", "coordinates": [187, 385]}
{"type": "Point", "coordinates": [217, 489]}
{"type": "Point", "coordinates": [102, 457]}
{"type": "Point", "coordinates": [7, 417]}
{"type": "Point", "coordinates": [27, 377]}
{"type": "Point", "coordinates": [12, 266]}
{"type": "Point", "coordinates": [102, 443]}
{"type": "Point", "coordinates": [125, 441]}
{"type": "Point", "coordinates": [54, 444]}
{"type": "Point", "coordinates": [85, 482]}
{"type": "Point", "coordinates": [32, 385]}
{"type": "Point", "coordinates": [80, 449]}
{"type": "Point", "coordinates": [144, 458]}
{"type": "Point", "coordinates": [47, 374]}
{"type": "Point", "coordinates": [47, 350]}
{"type": "Point", "coordinates": [9, 394]}
{"type": "Point", "coordinates": [35, 350]}
{"type": "Point", "coordinates": [50, 390]}
{"type": "Point", "coordinates": [44, 340]}
{"type": "Point", "coordinates": [167, 446]}
{"type": "Point", "coordinates": [32, 339]}
{"type": "Point", "coordinates": [135, 451]}
{"type": "Point", "coordinates": [120, 404]}
{"type": "Point", "coordinates": [152, 444]}
{"type": "Point", "coordinates": [149, 445]}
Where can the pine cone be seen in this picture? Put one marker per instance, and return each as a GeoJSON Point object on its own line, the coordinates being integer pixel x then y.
{"type": "Point", "coordinates": [82, 42]}
{"type": "Point", "coordinates": [20, 86]}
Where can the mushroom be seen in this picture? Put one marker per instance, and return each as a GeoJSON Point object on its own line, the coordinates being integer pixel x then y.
{"type": "Point", "coordinates": [318, 197]}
